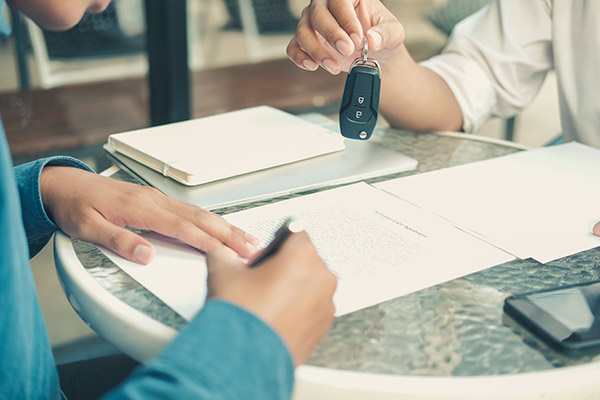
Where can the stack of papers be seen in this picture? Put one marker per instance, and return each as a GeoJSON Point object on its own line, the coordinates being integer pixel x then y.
{"type": "Point", "coordinates": [407, 234]}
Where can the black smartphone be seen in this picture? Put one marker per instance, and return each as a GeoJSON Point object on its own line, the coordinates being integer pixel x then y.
{"type": "Point", "coordinates": [568, 318]}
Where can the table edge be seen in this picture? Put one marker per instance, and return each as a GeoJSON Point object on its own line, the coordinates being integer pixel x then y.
{"type": "Point", "coordinates": [95, 305]}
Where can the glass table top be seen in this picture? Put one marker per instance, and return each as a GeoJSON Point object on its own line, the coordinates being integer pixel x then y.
{"type": "Point", "coordinates": [456, 328]}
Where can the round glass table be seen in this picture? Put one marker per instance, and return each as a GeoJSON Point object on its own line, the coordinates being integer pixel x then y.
{"type": "Point", "coordinates": [449, 341]}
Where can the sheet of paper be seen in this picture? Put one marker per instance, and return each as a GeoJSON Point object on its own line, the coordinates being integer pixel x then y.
{"type": "Point", "coordinates": [379, 246]}
{"type": "Point", "coordinates": [177, 275]}
{"type": "Point", "coordinates": [540, 203]}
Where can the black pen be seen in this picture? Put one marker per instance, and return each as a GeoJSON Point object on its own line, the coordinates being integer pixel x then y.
{"type": "Point", "coordinates": [291, 225]}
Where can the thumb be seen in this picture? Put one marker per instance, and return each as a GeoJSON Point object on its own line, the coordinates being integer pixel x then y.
{"type": "Point", "coordinates": [224, 265]}
{"type": "Point", "coordinates": [387, 35]}
{"type": "Point", "coordinates": [596, 229]}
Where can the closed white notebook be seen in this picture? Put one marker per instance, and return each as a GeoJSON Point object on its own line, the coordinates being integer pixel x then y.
{"type": "Point", "coordinates": [226, 145]}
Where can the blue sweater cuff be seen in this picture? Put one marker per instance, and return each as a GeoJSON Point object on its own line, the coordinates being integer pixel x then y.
{"type": "Point", "coordinates": [224, 353]}
{"type": "Point", "coordinates": [5, 29]}
{"type": "Point", "coordinates": [38, 226]}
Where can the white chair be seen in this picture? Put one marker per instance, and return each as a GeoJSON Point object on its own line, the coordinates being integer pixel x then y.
{"type": "Point", "coordinates": [210, 41]}
{"type": "Point", "coordinates": [52, 72]}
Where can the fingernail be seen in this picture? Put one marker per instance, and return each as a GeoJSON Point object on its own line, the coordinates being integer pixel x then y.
{"type": "Point", "coordinates": [376, 38]}
{"type": "Point", "coordinates": [330, 66]}
{"type": "Point", "coordinates": [309, 64]}
{"type": "Point", "coordinates": [251, 238]}
{"type": "Point", "coordinates": [343, 47]}
{"type": "Point", "coordinates": [143, 254]}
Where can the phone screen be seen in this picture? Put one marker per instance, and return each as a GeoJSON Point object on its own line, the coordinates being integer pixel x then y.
{"type": "Point", "coordinates": [568, 317]}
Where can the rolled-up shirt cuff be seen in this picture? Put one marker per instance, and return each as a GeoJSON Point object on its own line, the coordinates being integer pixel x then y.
{"type": "Point", "coordinates": [469, 84]}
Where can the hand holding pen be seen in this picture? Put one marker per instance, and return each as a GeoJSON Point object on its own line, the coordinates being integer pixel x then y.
{"type": "Point", "coordinates": [291, 291]}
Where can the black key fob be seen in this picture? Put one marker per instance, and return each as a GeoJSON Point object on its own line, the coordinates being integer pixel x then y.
{"type": "Point", "coordinates": [360, 102]}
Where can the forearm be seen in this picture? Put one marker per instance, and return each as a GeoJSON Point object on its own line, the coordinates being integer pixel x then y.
{"type": "Point", "coordinates": [416, 98]}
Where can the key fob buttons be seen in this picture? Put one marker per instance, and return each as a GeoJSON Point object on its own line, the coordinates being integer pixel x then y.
{"type": "Point", "coordinates": [360, 101]}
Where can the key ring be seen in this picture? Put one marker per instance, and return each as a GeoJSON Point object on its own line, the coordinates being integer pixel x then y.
{"type": "Point", "coordinates": [364, 59]}
{"type": "Point", "coordinates": [365, 50]}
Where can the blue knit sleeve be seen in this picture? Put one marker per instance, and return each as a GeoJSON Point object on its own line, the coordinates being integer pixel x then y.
{"type": "Point", "coordinates": [5, 29]}
{"type": "Point", "coordinates": [224, 353]}
{"type": "Point", "coordinates": [38, 226]}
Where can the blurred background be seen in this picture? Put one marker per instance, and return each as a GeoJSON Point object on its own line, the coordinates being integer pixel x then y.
{"type": "Point", "coordinates": [65, 92]}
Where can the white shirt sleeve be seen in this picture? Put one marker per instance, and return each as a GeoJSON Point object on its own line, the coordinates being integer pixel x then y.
{"type": "Point", "coordinates": [497, 59]}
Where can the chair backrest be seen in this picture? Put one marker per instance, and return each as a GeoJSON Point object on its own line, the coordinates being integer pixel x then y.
{"type": "Point", "coordinates": [96, 35]}
{"type": "Point", "coordinates": [87, 52]}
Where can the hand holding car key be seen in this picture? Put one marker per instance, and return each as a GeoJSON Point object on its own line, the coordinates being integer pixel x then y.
{"type": "Point", "coordinates": [360, 102]}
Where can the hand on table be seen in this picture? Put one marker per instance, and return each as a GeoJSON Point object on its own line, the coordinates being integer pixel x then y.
{"type": "Point", "coordinates": [290, 291]}
{"type": "Point", "coordinates": [97, 209]}
{"type": "Point", "coordinates": [330, 34]}
{"type": "Point", "coordinates": [596, 229]}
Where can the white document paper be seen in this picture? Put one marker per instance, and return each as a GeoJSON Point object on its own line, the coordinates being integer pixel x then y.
{"type": "Point", "coordinates": [540, 203]}
{"type": "Point", "coordinates": [380, 247]}
{"type": "Point", "coordinates": [176, 275]}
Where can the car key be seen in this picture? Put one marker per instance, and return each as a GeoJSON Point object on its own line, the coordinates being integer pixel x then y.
{"type": "Point", "coordinates": [360, 102]}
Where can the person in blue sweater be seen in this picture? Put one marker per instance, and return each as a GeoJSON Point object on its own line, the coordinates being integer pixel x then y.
{"type": "Point", "coordinates": [256, 325]}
